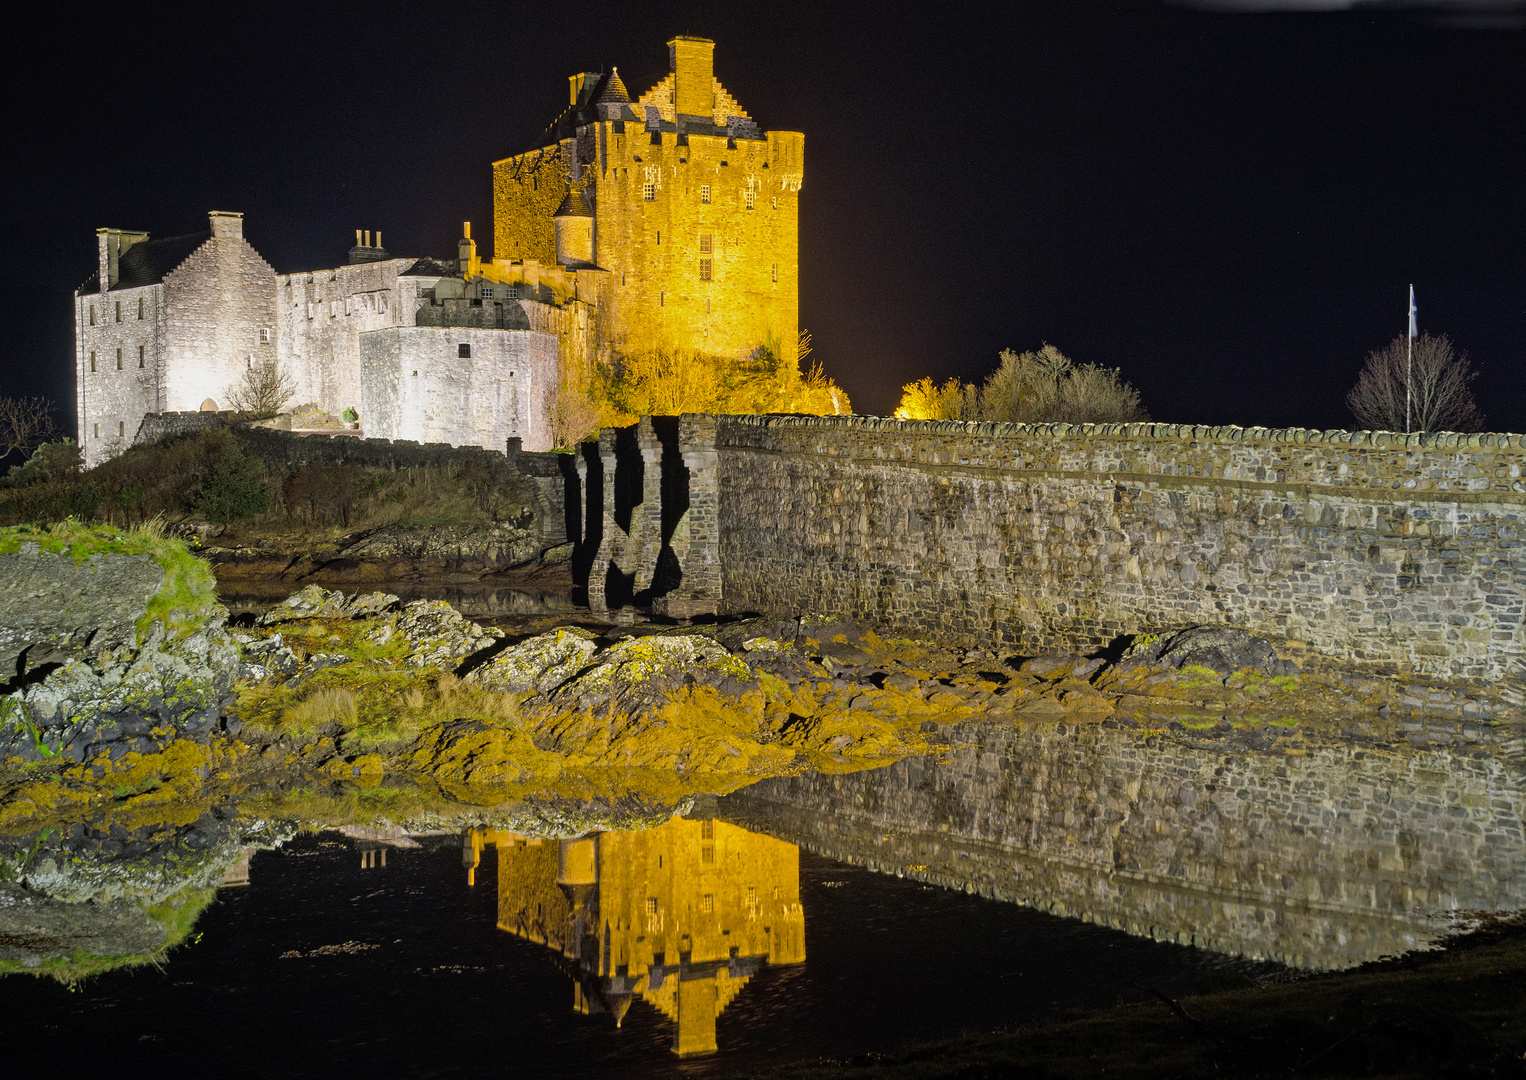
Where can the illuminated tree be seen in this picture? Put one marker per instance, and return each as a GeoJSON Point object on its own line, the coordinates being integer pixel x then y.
{"type": "Point", "coordinates": [263, 390]}
{"type": "Point", "coordinates": [25, 424]}
{"type": "Point", "coordinates": [1440, 383]}
{"type": "Point", "coordinates": [1031, 387]}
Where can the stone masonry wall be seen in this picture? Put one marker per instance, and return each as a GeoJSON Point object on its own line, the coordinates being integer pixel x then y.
{"type": "Point", "coordinates": [1324, 860]}
{"type": "Point", "coordinates": [1382, 552]}
{"type": "Point", "coordinates": [119, 338]}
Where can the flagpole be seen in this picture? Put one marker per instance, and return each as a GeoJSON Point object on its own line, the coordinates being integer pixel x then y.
{"type": "Point", "coordinates": [1409, 356]}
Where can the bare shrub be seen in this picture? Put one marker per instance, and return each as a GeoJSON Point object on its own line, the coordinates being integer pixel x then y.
{"type": "Point", "coordinates": [264, 390]}
{"type": "Point", "coordinates": [1440, 381]}
{"type": "Point", "coordinates": [25, 424]}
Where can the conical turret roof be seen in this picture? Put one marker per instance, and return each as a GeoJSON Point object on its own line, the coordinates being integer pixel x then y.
{"type": "Point", "coordinates": [574, 205]}
{"type": "Point", "coordinates": [614, 92]}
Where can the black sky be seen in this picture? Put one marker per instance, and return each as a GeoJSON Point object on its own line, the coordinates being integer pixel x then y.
{"type": "Point", "coordinates": [1228, 206]}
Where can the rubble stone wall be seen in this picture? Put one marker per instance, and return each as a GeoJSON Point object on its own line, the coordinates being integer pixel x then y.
{"type": "Point", "coordinates": [1379, 551]}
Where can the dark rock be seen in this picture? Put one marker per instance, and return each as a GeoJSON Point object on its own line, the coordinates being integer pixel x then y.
{"type": "Point", "coordinates": [1223, 649]}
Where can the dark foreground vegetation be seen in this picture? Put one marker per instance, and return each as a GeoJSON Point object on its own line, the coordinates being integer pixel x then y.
{"type": "Point", "coordinates": [1461, 1012]}
{"type": "Point", "coordinates": [229, 476]}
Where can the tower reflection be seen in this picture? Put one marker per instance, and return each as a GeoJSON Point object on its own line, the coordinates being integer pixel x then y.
{"type": "Point", "coordinates": [681, 915]}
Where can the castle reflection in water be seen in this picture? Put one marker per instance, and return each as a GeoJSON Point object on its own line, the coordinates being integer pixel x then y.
{"type": "Point", "coordinates": [681, 915]}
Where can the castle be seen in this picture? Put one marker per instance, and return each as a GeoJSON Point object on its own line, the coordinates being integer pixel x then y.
{"type": "Point", "coordinates": [667, 222]}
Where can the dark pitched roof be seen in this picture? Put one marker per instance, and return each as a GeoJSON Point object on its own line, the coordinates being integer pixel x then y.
{"type": "Point", "coordinates": [574, 205]}
{"type": "Point", "coordinates": [427, 268]}
{"type": "Point", "coordinates": [147, 263]}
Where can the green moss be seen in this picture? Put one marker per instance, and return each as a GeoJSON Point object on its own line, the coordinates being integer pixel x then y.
{"type": "Point", "coordinates": [177, 915]}
{"type": "Point", "coordinates": [188, 594]}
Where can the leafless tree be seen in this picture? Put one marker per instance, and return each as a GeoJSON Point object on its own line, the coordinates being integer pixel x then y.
{"type": "Point", "coordinates": [25, 424]}
{"type": "Point", "coordinates": [1440, 383]}
{"type": "Point", "coordinates": [265, 389]}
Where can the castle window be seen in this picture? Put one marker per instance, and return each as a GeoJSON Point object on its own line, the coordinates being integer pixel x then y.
{"type": "Point", "coordinates": [704, 269]}
{"type": "Point", "coordinates": [346, 305]}
{"type": "Point", "coordinates": [704, 193]}
{"type": "Point", "coordinates": [707, 854]}
{"type": "Point", "coordinates": [92, 361]}
{"type": "Point", "coordinates": [512, 293]}
{"type": "Point", "coordinates": [775, 270]}
{"type": "Point", "coordinates": [662, 299]}
{"type": "Point", "coordinates": [264, 335]}
{"type": "Point", "coordinates": [140, 307]}
{"type": "Point", "coordinates": [651, 905]}
{"type": "Point", "coordinates": [121, 428]}
{"type": "Point", "coordinates": [381, 304]}
{"type": "Point", "coordinates": [119, 311]}
{"type": "Point", "coordinates": [649, 192]}
{"type": "Point", "coordinates": [487, 294]}
{"type": "Point", "coordinates": [96, 432]}
{"type": "Point", "coordinates": [751, 199]}
{"type": "Point", "coordinates": [119, 359]}
{"type": "Point", "coordinates": [309, 309]}
{"type": "Point", "coordinates": [140, 356]}
{"type": "Point", "coordinates": [705, 245]}
{"type": "Point", "coordinates": [707, 903]}
{"type": "Point", "coordinates": [333, 308]}
{"type": "Point", "coordinates": [464, 351]}
{"type": "Point", "coordinates": [707, 829]}
{"type": "Point", "coordinates": [92, 314]}
{"type": "Point", "coordinates": [773, 202]}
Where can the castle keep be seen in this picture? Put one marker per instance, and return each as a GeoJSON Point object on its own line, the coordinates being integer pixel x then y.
{"type": "Point", "coordinates": [672, 216]}
{"type": "Point", "coordinates": [668, 221]}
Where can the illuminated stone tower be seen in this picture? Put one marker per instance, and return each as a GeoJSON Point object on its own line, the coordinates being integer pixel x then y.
{"type": "Point", "coordinates": [674, 214]}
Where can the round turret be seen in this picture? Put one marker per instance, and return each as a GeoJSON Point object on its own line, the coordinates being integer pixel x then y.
{"type": "Point", "coordinates": [574, 230]}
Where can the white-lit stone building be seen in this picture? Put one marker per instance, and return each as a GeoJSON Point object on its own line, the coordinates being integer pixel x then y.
{"type": "Point", "coordinates": [419, 349]}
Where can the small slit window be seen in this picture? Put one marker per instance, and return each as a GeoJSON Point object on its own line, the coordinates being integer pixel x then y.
{"type": "Point", "coordinates": [119, 311]}
{"type": "Point", "coordinates": [95, 431]}
{"type": "Point", "coordinates": [141, 356]}
{"type": "Point", "coordinates": [464, 351]}
{"type": "Point", "coordinates": [121, 428]}
{"type": "Point", "coordinates": [119, 359]}
{"type": "Point", "coordinates": [92, 314]}
{"type": "Point", "coordinates": [140, 307]}
{"type": "Point", "coordinates": [92, 361]}
{"type": "Point", "coordinates": [649, 192]}
{"type": "Point", "coordinates": [704, 269]}
{"type": "Point", "coordinates": [381, 304]}
{"type": "Point", "coordinates": [775, 271]}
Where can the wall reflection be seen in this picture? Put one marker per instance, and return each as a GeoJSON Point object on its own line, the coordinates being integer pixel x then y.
{"type": "Point", "coordinates": [680, 916]}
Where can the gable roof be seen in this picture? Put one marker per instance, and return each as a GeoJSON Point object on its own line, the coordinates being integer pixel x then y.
{"type": "Point", "coordinates": [148, 262]}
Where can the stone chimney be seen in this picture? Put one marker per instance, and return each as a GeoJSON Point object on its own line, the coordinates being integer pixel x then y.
{"type": "Point", "coordinates": [692, 61]}
{"type": "Point", "coordinates": [111, 244]}
{"type": "Point", "coordinates": [227, 224]}
{"type": "Point", "coordinates": [466, 251]}
{"type": "Point", "coordinates": [365, 251]}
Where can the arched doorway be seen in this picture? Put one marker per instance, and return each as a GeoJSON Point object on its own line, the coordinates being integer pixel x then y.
{"type": "Point", "coordinates": [209, 405]}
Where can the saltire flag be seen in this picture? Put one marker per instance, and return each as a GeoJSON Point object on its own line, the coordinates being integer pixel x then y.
{"type": "Point", "coordinates": [1413, 332]}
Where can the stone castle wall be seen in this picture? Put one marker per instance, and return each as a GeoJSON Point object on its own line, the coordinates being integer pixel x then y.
{"type": "Point", "coordinates": [1323, 860]}
{"type": "Point", "coordinates": [119, 340]}
{"type": "Point", "coordinates": [220, 319]}
{"type": "Point", "coordinates": [1383, 552]}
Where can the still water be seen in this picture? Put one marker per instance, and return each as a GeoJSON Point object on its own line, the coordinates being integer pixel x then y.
{"type": "Point", "coordinates": [696, 948]}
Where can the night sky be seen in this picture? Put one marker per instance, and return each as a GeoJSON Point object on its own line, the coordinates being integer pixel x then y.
{"type": "Point", "coordinates": [1229, 205]}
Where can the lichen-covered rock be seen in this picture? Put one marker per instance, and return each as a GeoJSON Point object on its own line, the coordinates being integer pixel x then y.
{"type": "Point", "coordinates": [440, 635]}
{"type": "Point", "coordinates": [540, 664]}
{"type": "Point", "coordinates": [316, 602]}
{"type": "Point", "coordinates": [646, 670]}
{"type": "Point", "coordinates": [117, 686]}
{"type": "Point", "coordinates": [53, 608]}
{"type": "Point", "coordinates": [513, 542]}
